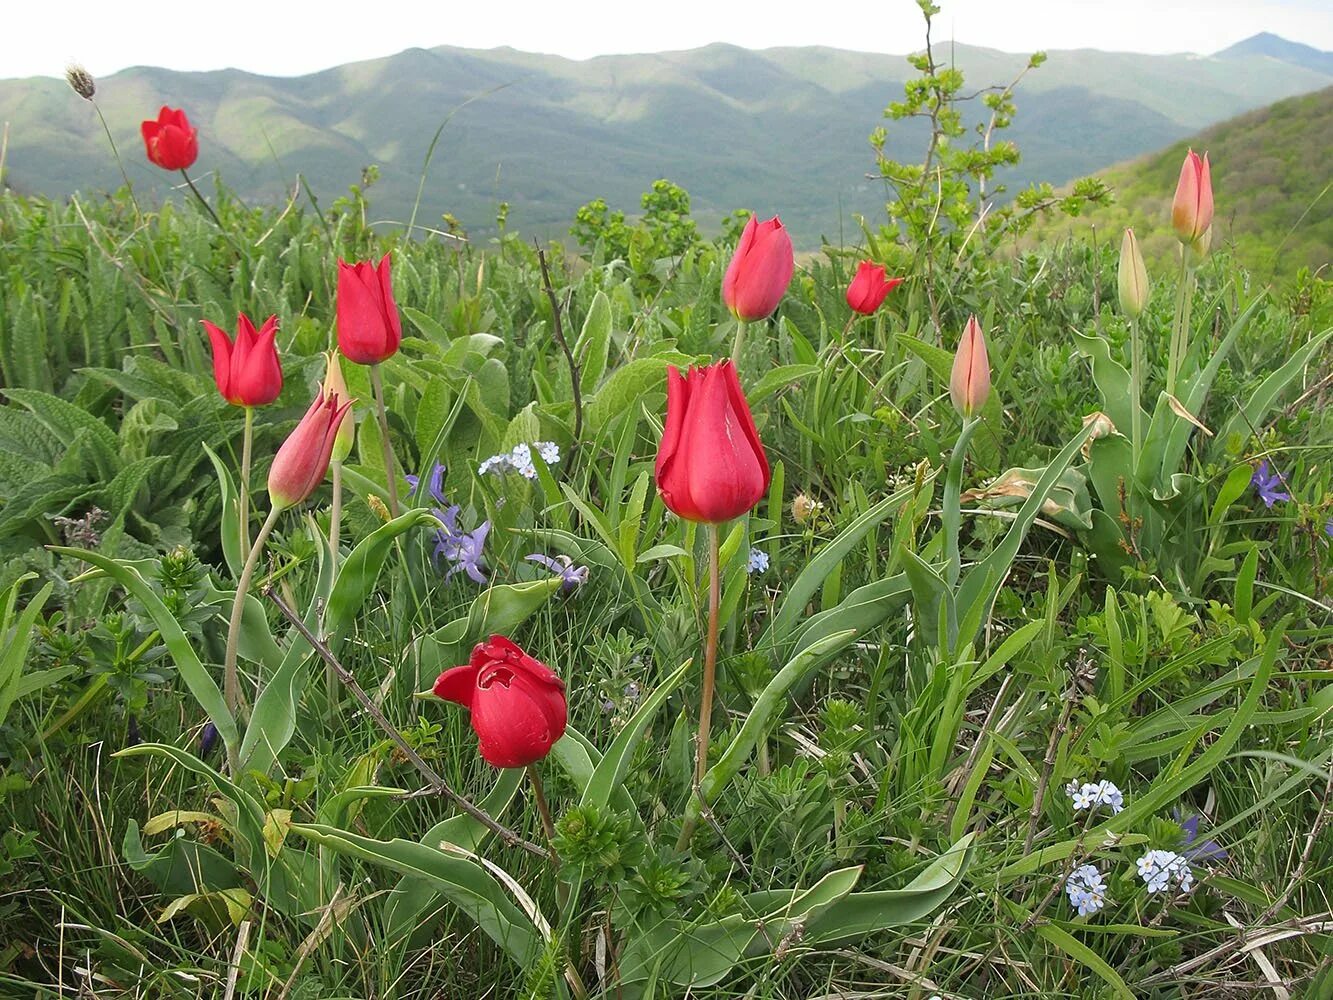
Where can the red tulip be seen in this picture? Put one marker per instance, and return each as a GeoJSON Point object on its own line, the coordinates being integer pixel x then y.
{"type": "Point", "coordinates": [303, 459]}
{"type": "Point", "coordinates": [247, 372]}
{"type": "Point", "coordinates": [711, 465]}
{"type": "Point", "coordinates": [761, 270]}
{"type": "Point", "coordinates": [1192, 209]}
{"type": "Point", "coordinates": [868, 288]}
{"type": "Point", "coordinates": [369, 330]}
{"type": "Point", "coordinates": [171, 142]}
{"type": "Point", "coordinates": [969, 383]}
{"type": "Point", "coordinates": [517, 703]}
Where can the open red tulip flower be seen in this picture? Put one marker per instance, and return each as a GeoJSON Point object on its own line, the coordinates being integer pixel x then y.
{"type": "Point", "coordinates": [171, 141]}
{"type": "Point", "coordinates": [711, 465]}
{"type": "Point", "coordinates": [247, 371]}
{"type": "Point", "coordinates": [760, 271]}
{"type": "Point", "coordinates": [517, 702]}
{"type": "Point", "coordinates": [369, 329]}
{"type": "Point", "coordinates": [867, 291]}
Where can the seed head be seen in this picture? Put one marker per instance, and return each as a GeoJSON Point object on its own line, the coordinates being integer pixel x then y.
{"type": "Point", "coordinates": [81, 80]}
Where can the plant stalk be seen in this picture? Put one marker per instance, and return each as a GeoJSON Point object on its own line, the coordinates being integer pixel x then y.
{"type": "Point", "coordinates": [207, 207]}
{"type": "Point", "coordinates": [247, 444]}
{"type": "Point", "coordinates": [231, 687]}
{"type": "Point", "coordinates": [332, 685]}
{"type": "Point", "coordinates": [710, 673]}
{"type": "Point", "coordinates": [1180, 325]}
{"type": "Point", "coordinates": [390, 470]}
{"type": "Point", "coordinates": [951, 515]}
{"type": "Point", "coordinates": [739, 344]}
{"type": "Point", "coordinates": [1135, 396]}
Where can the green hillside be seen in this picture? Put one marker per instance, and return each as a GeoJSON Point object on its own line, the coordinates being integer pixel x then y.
{"type": "Point", "coordinates": [777, 130]}
{"type": "Point", "coordinates": [1271, 183]}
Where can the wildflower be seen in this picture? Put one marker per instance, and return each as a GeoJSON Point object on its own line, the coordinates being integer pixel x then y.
{"type": "Point", "coordinates": [462, 548]}
{"type": "Point", "coordinates": [1086, 889]}
{"type": "Point", "coordinates": [369, 327]}
{"type": "Point", "coordinates": [1089, 796]}
{"type": "Point", "coordinates": [1328, 528]}
{"type": "Point", "coordinates": [760, 271]}
{"type": "Point", "coordinates": [1209, 850]}
{"type": "Point", "coordinates": [435, 485]}
{"type": "Point", "coordinates": [519, 459]}
{"type": "Point", "coordinates": [757, 562]}
{"type": "Point", "coordinates": [171, 141]}
{"type": "Point", "coordinates": [804, 507]}
{"type": "Point", "coordinates": [1159, 869]}
{"type": "Point", "coordinates": [571, 577]}
{"type": "Point", "coordinates": [208, 738]}
{"type": "Point", "coordinates": [969, 380]}
{"type": "Point", "coordinates": [1269, 486]}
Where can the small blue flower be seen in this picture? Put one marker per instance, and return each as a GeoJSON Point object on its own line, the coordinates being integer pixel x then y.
{"type": "Point", "coordinates": [435, 487]}
{"type": "Point", "coordinates": [1159, 869]}
{"type": "Point", "coordinates": [1209, 850]}
{"type": "Point", "coordinates": [1328, 527]}
{"type": "Point", "coordinates": [757, 562]}
{"type": "Point", "coordinates": [1269, 485]}
{"type": "Point", "coordinates": [571, 577]}
{"type": "Point", "coordinates": [462, 548]}
{"type": "Point", "coordinates": [519, 459]}
{"type": "Point", "coordinates": [1089, 796]}
{"type": "Point", "coordinates": [208, 738]}
{"type": "Point", "coordinates": [1086, 889]}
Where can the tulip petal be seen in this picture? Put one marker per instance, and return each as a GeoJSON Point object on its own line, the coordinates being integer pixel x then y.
{"type": "Point", "coordinates": [457, 684]}
{"type": "Point", "coordinates": [221, 356]}
{"type": "Point", "coordinates": [724, 475]}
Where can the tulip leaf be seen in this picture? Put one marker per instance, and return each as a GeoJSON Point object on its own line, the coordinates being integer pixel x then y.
{"type": "Point", "coordinates": [359, 572]}
{"type": "Point", "coordinates": [231, 516]}
{"type": "Point", "coordinates": [1112, 381]}
{"type": "Point", "coordinates": [610, 770]}
{"type": "Point", "coordinates": [463, 882]}
{"type": "Point", "coordinates": [192, 671]}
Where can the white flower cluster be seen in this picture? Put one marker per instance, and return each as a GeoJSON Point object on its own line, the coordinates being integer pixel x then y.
{"type": "Point", "coordinates": [519, 459]}
{"type": "Point", "coordinates": [1159, 869]}
{"type": "Point", "coordinates": [1086, 889]}
{"type": "Point", "coordinates": [1089, 796]}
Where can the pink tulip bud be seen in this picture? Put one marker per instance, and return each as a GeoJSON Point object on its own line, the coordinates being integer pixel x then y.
{"type": "Point", "coordinates": [969, 385]}
{"type": "Point", "coordinates": [303, 459]}
{"type": "Point", "coordinates": [760, 271]}
{"type": "Point", "coordinates": [1132, 278]}
{"type": "Point", "coordinates": [1192, 209]}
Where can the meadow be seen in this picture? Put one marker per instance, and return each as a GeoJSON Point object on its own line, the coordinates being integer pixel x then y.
{"type": "Point", "coordinates": [1006, 587]}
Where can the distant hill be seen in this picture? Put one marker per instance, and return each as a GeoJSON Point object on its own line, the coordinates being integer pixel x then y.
{"type": "Point", "coordinates": [781, 130]}
{"type": "Point", "coordinates": [1274, 47]}
{"type": "Point", "coordinates": [1272, 187]}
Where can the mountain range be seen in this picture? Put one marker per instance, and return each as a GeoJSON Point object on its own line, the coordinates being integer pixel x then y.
{"type": "Point", "coordinates": [779, 130]}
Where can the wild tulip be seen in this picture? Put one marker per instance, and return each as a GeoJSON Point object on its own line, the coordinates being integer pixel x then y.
{"type": "Point", "coordinates": [869, 287]}
{"type": "Point", "coordinates": [517, 703]}
{"type": "Point", "coordinates": [760, 271]}
{"type": "Point", "coordinates": [303, 459]}
{"type": "Point", "coordinates": [369, 329]}
{"type": "Point", "coordinates": [247, 371]}
{"type": "Point", "coordinates": [334, 385]}
{"type": "Point", "coordinates": [969, 383]}
{"type": "Point", "coordinates": [171, 141]}
{"type": "Point", "coordinates": [1192, 208]}
{"type": "Point", "coordinates": [711, 465]}
{"type": "Point", "coordinates": [1133, 277]}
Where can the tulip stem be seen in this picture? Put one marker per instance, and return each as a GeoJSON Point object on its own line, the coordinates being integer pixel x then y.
{"type": "Point", "coordinates": [231, 686]}
{"type": "Point", "coordinates": [331, 683]}
{"type": "Point", "coordinates": [1135, 396]}
{"type": "Point", "coordinates": [207, 207]}
{"type": "Point", "coordinates": [247, 442]}
{"type": "Point", "coordinates": [710, 673]}
{"type": "Point", "coordinates": [390, 470]}
{"type": "Point", "coordinates": [1180, 328]}
{"type": "Point", "coordinates": [544, 810]}
{"type": "Point", "coordinates": [739, 343]}
{"type": "Point", "coordinates": [951, 516]}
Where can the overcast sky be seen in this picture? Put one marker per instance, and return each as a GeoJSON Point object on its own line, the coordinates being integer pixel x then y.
{"type": "Point", "coordinates": [274, 37]}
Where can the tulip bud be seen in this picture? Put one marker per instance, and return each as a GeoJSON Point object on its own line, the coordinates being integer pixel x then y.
{"type": "Point", "coordinates": [969, 384]}
{"type": "Point", "coordinates": [867, 291]}
{"type": "Point", "coordinates": [1133, 277]}
{"type": "Point", "coordinates": [1192, 208]}
{"type": "Point", "coordinates": [171, 141]}
{"type": "Point", "coordinates": [1199, 248]}
{"type": "Point", "coordinates": [335, 386]}
{"type": "Point", "coordinates": [247, 372]}
{"type": "Point", "coordinates": [369, 330]}
{"type": "Point", "coordinates": [711, 465]}
{"type": "Point", "coordinates": [760, 271]}
{"type": "Point", "coordinates": [517, 703]}
{"type": "Point", "coordinates": [303, 459]}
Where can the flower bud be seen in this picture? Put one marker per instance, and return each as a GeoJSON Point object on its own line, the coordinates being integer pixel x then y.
{"type": "Point", "coordinates": [303, 459]}
{"type": "Point", "coordinates": [1192, 207]}
{"type": "Point", "coordinates": [760, 271]}
{"type": "Point", "coordinates": [1133, 277]}
{"type": "Point", "coordinates": [334, 385]}
{"type": "Point", "coordinates": [969, 383]}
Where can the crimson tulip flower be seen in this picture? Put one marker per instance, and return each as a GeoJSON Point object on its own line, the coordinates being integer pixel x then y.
{"type": "Point", "coordinates": [867, 291]}
{"type": "Point", "coordinates": [760, 271]}
{"type": "Point", "coordinates": [711, 465]}
{"type": "Point", "coordinates": [1192, 207]}
{"type": "Point", "coordinates": [247, 371]}
{"type": "Point", "coordinates": [517, 702]}
{"type": "Point", "coordinates": [369, 330]}
{"type": "Point", "coordinates": [171, 141]}
{"type": "Point", "coordinates": [303, 459]}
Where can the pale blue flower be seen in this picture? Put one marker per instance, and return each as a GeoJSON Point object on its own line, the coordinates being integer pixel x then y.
{"type": "Point", "coordinates": [757, 561]}
{"type": "Point", "coordinates": [1159, 869]}
{"type": "Point", "coordinates": [435, 486]}
{"type": "Point", "coordinates": [1269, 486]}
{"type": "Point", "coordinates": [1089, 796]}
{"type": "Point", "coordinates": [519, 459]}
{"type": "Point", "coordinates": [462, 548]}
{"type": "Point", "coordinates": [1086, 889]}
{"type": "Point", "coordinates": [571, 577]}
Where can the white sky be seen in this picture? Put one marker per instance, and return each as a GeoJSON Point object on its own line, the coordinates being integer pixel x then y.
{"type": "Point", "coordinates": [282, 38]}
